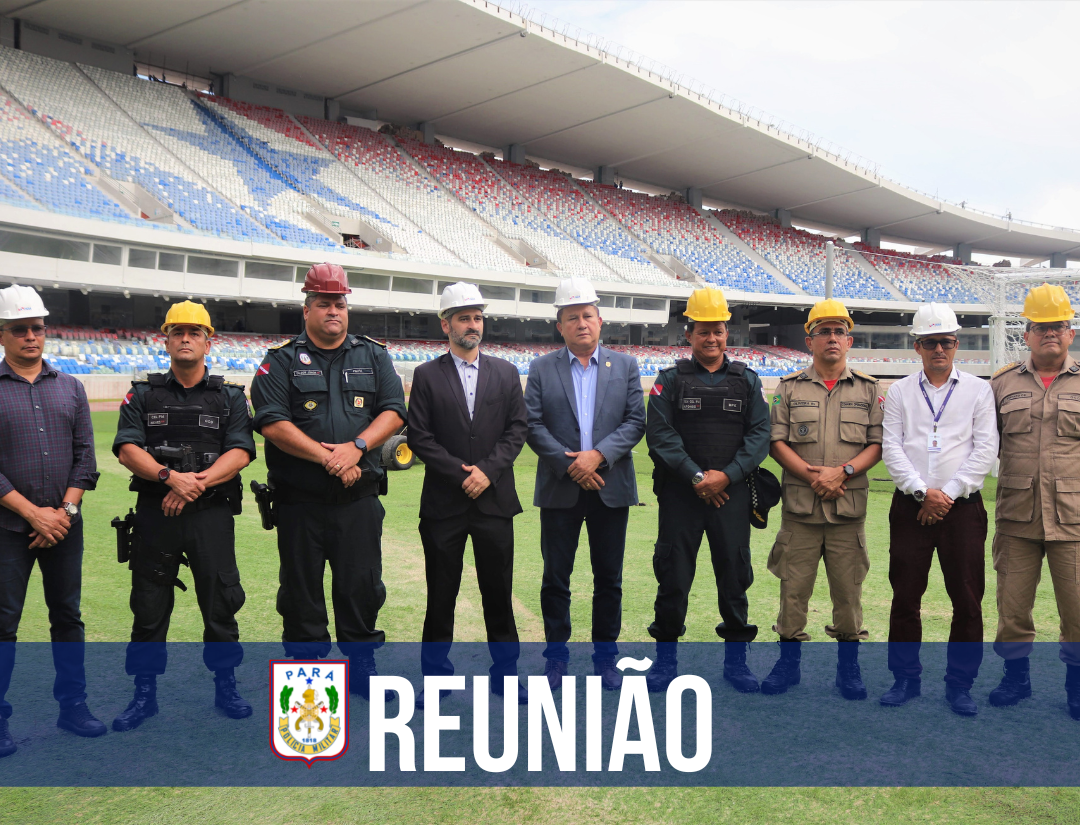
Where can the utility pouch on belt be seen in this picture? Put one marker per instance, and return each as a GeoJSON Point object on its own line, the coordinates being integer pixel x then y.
{"type": "Point", "coordinates": [264, 497]}
{"type": "Point", "coordinates": [124, 527]}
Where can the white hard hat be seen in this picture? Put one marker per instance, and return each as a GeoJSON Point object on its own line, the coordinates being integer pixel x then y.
{"type": "Point", "coordinates": [574, 291]}
{"type": "Point", "coordinates": [21, 302]}
{"type": "Point", "coordinates": [459, 296]}
{"type": "Point", "coordinates": [934, 318]}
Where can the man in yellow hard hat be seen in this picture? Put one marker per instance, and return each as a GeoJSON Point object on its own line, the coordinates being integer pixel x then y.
{"type": "Point", "coordinates": [1038, 494]}
{"type": "Point", "coordinates": [707, 428]}
{"type": "Point", "coordinates": [826, 434]}
{"type": "Point", "coordinates": [185, 435]}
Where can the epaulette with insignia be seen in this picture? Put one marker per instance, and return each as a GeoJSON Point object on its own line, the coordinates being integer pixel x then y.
{"type": "Point", "coordinates": [372, 340]}
{"type": "Point", "coordinates": [1006, 368]}
{"type": "Point", "coordinates": [791, 376]}
{"type": "Point", "coordinates": [862, 374]}
{"type": "Point", "coordinates": [139, 381]}
{"type": "Point", "coordinates": [236, 384]}
{"type": "Point", "coordinates": [280, 345]}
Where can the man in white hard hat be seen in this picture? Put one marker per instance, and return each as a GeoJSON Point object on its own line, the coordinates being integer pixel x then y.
{"type": "Point", "coordinates": [586, 413]}
{"type": "Point", "coordinates": [467, 424]}
{"type": "Point", "coordinates": [46, 464]}
{"type": "Point", "coordinates": [940, 441]}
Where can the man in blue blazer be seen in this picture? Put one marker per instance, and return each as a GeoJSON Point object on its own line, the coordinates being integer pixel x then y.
{"type": "Point", "coordinates": [586, 413]}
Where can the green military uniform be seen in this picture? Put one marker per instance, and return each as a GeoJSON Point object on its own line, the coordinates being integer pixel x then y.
{"type": "Point", "coordinates": [1038, 503]}
{"type": "Point", "coordinates": [331, 396]}
{"type": "Point", "coordinates": [213, 417]}
{"type": "Point", "coordinates": [824, 429]}
{"type": "Point", "coordinates": [699, 420]}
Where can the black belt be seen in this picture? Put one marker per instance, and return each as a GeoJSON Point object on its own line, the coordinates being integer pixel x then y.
{"type": "Point", "coordinates": [284, 494]}
{"type": "Point", "coordinates": [972, 499]}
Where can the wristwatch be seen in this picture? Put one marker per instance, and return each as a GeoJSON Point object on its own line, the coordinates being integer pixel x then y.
{"type": "Point", "coordinates": [163, 474]}
{"type": "Point", "coordinates": [70, 508]}
{"type": "Point", "coordinates": [360, 444]}
{"type": "Point", "coordinates": [698, 478]}
{"type": "Point", "coordinates": [919, 495]}
{"type": "Point", "coordinates": [849, 469]}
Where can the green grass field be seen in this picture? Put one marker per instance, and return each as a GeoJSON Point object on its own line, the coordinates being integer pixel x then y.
{"type": "Point", "coordinates": [105, 611]}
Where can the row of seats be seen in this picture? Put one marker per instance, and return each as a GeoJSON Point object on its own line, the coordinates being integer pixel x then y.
{"type": "Point", "coordinates": [919, 277]}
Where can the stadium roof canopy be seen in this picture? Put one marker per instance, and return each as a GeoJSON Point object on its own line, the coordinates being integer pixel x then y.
{"type": "Point", "coordinates": [482, 74]}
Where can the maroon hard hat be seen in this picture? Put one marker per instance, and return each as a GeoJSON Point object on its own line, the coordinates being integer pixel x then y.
{"type": "Point", "coordinates": [329, 279]}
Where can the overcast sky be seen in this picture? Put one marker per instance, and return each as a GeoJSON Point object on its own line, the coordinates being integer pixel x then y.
{"type": "Point", "coordinates": [969, 101]}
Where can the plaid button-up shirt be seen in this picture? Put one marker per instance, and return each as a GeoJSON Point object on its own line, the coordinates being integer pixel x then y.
{"type": "Point", "coordinates": [46, 440]}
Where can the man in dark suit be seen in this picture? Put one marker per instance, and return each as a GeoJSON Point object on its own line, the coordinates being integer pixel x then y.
{"type": "Point", "coordinates": [586, 413]}
{"type": "Point", "coordinates": [467, 424]}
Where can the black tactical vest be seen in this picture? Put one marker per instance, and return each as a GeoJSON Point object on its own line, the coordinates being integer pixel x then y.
{"type": "Point", "coordinates": [199, 422]}
{"type": "Point", "coordinates": [711, 418]}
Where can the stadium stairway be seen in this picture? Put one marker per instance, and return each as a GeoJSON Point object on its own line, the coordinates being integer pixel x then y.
{"type": "Point", "coordinates": [752, 254]}
{"type": "Point", "coordinates": [869, 268]}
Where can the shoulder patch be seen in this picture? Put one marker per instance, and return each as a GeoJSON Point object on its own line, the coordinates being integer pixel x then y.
{"type": "Point", "coordinates": [280, 345]}
{"type": "Point", "coordinates": [862, 374]}
{"type": "Point", "coordinates": [1006, 368]}
{"type": "Point", "coordinates": [372, 340]}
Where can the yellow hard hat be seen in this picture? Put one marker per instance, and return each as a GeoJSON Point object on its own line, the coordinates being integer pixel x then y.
{"type": "Point", "coordinates": [828, 310]}
{"type": "Point", "coordinates": [707, 305]}
{"type": "Point", "coordinates": [188, 312]}
{"type": "Point", "coordinates": [1046, 304]}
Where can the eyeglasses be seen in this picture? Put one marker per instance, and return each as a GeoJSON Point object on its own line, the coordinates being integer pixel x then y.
{"type": "Point", "coordinates": [1061, 327]}
{"type": "Point", "coordinates": [20, 330]}
{"type": "Point", "coordinates": [933, 343]}
{"type": "Point", "coordinates": [829, 333]}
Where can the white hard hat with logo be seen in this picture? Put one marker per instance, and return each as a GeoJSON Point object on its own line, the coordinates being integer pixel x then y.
{"type": "Point", "coordinates": [459, 296]}
{"type": "Point", "coordinates": [21, 302]}
{"type": "Point", "coordinates": [933, 319]}
{"type": "Point", "coordinates": [574, 291]}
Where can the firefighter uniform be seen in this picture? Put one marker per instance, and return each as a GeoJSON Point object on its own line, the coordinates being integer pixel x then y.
{"type": "Point", "coordinates": [1038, 504]}
{"type": "Point", "coordinates": [825, 429]}
{"type": "Point", "coordinates": [210, 418]}
{"type": "Point", "coordinates": [331, 396]}
{"type": "Point", "coordinates": [699, 421]}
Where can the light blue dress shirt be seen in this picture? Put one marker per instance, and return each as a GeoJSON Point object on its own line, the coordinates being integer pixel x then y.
{"type": "Point", "coordinates": [585, 394]}
{"type": "Point", "coordinates": [469, 375]}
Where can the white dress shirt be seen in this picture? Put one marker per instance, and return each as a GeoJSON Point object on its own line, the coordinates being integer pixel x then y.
{"type": "Point", "coordinates": [967, 433]}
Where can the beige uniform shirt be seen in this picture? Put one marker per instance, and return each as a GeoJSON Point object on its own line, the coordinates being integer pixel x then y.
{"type": "Point", "coordinates": [1038, 495]}
{"type": "Point", "coordinates": [826, 429]}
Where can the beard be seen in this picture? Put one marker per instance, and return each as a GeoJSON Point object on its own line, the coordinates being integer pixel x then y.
{"type": "Point", "coordinates": [464, 341]}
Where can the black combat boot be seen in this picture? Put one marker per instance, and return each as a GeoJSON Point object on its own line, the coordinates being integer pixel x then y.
{"type": "Point", "coordinates": [735, 669]}
{"type": "Point", "coordinates": [903, 689]}
{"type": "Point", "coordinates": [227, 697]}
{"type": "Point", "coordinates": [1015, 684]}
{"type": "Point", "coordinates": [1072, 690]}
{"type": "Point", "coordinates": [361, 669]}
{"type": "Point", "coordinates": [79, 720]}
{"type": "Point", "coordinates": [143, 706]}
{"type": "Point", "coordinates": [785, 672]}
{"type": "Point", "coordinates": [848, 676]}
{"type": "Point", "coordinates": [664, 669]}
{"type": "Point", "coordinates": [7, 742]}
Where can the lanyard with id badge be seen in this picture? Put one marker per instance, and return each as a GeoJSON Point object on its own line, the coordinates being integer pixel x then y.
{"type": "Point", "coordinates": [933, 441]}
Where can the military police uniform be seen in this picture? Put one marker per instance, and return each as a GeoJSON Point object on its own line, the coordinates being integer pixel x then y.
{"type": "Point", "coordinates": [700, 421]}
{"type": "Point", "coordinates": [202, 422]}
{"type": "Point", "coordinates": [825, 429]}
{"type": "Point", "coordinates": [331, 396]}
{"type": "Point", "coordinates": [1038, 504]}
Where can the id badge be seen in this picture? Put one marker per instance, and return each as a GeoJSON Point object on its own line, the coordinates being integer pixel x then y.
{"type": "Point", "coordinates": [933, 442]}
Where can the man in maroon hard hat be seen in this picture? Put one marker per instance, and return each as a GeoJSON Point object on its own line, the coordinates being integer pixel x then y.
{"type": "Point", "coordinates": [325, 401]}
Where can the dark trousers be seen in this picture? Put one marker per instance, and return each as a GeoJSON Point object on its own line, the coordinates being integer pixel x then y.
{"type": "Point", "coordinates": [444, 553]}
{"type": "Point", "coordinates": [684, 519]}
{"type": "Point", "coordinates": [205, 537]}
{"type": "Point", "coordinates": [960, 541]}
{"type": "Point", "coordinates": [61, 578]}
{"type": "Point", "coordinates": [560, 530]}
{"type": "Point", "coordinates": [349, 537]}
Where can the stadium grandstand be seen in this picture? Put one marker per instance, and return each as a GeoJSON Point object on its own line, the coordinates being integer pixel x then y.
{"type": "Point", "coordinates": [121, 191]}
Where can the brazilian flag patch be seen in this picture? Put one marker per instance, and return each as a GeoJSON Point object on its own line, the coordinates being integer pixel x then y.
{"type": "Point", "coordinates": [776, 398]}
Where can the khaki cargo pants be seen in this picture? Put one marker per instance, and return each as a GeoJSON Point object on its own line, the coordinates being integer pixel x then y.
{"type": "Point", "coordinates": [794, 560]}
{"type": "Point", "coordinates": [1018, 563]}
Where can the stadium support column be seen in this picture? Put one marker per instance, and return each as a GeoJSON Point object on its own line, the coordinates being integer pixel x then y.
{"type": "Point", "coordinates": [783, 217]}
{"type": "Point", "coordinates": [693, 197]}
{"type": "Point", "coordinates": [605, 175]}
{"type": "Point", "coordinates": [514, 153]}
{"type": "Point", "coordinates": [1058, 260]}
{"type": "Point", "coordinates": [830, 257]}
{"type": "Point", "coordinates": [427, 129]}
{"type": "Point", "coordinates": [962, 253]}
{"type": "Point", "coordinates": [872, 237]}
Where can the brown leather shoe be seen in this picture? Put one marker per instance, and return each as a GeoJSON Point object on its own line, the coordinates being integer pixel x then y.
{"type": "Point", "coordinates": [555, 670]}
{"type": "Point", "coordinates": [610, 678]}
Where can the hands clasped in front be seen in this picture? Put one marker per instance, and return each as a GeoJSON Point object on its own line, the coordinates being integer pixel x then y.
{"type": "Point", "coordinates": [584, 468]}
{"type": "Point", "coordinates": [934, 508]}
{"type": "Point", "coordinates": [49, 526]}
{"type": "Point", "coordinates": [342, 461]}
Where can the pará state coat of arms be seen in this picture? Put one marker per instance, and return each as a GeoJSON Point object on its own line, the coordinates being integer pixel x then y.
{"type": "Point", "coordinates": [309, 704]}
